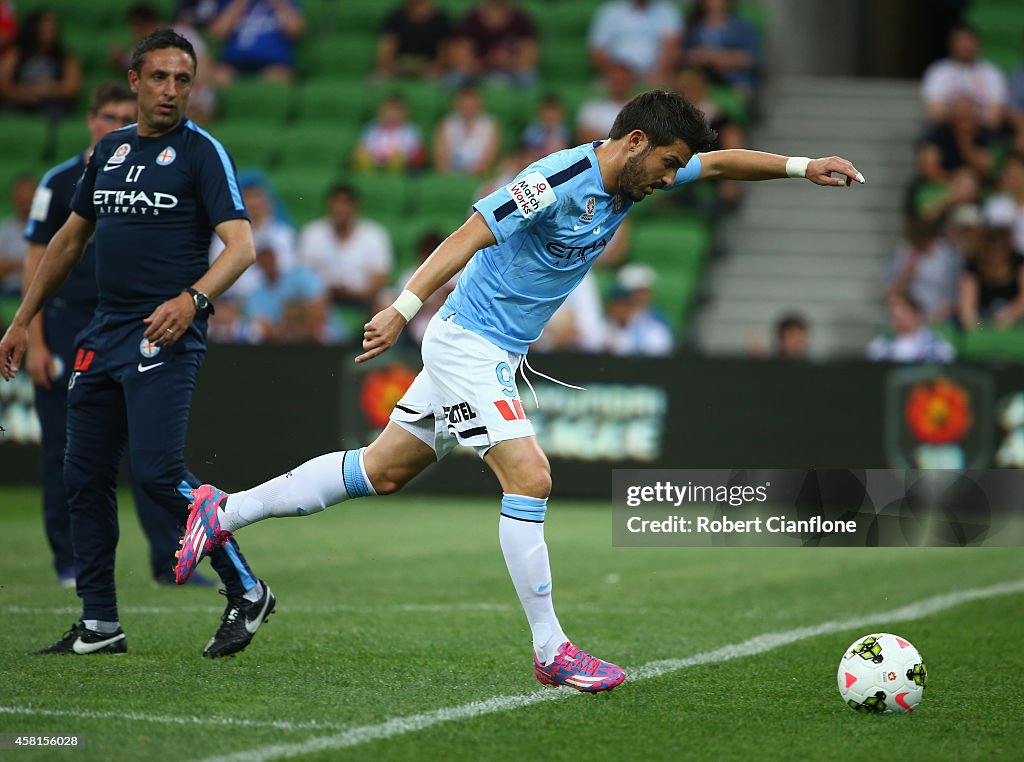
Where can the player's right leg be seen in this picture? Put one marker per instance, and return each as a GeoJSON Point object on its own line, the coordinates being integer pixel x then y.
{"type": "Point", "coordinates": [390, 462]}
{"type": "Point", "coordinates": [97, 428]}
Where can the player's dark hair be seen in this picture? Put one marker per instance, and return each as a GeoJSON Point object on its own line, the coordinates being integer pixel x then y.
{"type": "Point", "coordinates": [161, 39]}
{"type": "Point", "coordinates": [664, 117]}
{"type": "Point", "coordinates": [109, 92]}
{"type": "Point", "coordinates": [343, 189]}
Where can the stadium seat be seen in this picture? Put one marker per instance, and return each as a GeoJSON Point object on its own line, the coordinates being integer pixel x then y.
{"type": "Point", "coordinates": [250, 143]}
{"type": "Point", "coordinates": [301, 192]}
{"type": "Point", "coordinates": [565, 59]}
{"type": "Point", "coordinates": [346, 54]}
{"type": "Point", "coordinates": [25, 137]}
{"type": "Point", "coordinates": [451, 195]}
{"type": "Point", "coordinates": [323, 145]}
{"type": "Point", "coordinates": [258, 101]}
{"type": "Point", "coordinates": [334, 99]}
{"type": "Point", "coordinates": [993, 344]}
{"type": "Point", "coordinates": [382, 195]}
{"type": "Point", "coordinates": [72, 137]}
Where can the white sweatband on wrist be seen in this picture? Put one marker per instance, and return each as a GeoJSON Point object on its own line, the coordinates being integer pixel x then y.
{"type": "Point", "coordinates": [796, 166]}
{"type": "Point", "coordinates": [407, 304]}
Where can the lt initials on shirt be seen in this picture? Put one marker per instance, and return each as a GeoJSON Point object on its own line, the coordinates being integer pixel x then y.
{"type": "Point", "coordinates": [133, 173]}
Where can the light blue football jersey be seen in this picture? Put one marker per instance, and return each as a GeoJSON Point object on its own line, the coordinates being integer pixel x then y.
{"type": "Point", "coordinates": [550, 223]}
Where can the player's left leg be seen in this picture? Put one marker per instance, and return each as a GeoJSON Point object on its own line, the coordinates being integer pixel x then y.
{"type": "Point", "coordinates": [525, 477]}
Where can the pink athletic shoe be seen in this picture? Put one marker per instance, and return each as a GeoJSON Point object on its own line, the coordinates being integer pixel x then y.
{"type": "Point", "coordinates": [202, 532]}
{"type": "Point", "coordinates": [579, 670]}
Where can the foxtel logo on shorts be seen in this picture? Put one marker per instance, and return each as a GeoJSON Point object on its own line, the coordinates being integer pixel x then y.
{"type": "Point", "coordinates": [531, 193]}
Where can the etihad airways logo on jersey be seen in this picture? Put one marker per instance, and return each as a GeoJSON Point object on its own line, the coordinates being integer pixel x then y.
{"type": "Point", "coordinates": [132, 202]}
{"type": "Point", "coordinates": [566, 256]}
{"type": "Point", "coordinates": [531, 193]}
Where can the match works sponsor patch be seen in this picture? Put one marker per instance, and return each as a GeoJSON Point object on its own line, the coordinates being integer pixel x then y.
{"type": "Point", "coordinates": [531, 193]}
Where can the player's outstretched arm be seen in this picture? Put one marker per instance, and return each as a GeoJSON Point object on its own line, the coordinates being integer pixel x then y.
{"type": "Point", "coordinates": [62, 254]}
{"type": "Point", "coordinates": [741, 164]}
{"type": "Point", "coordinates": [447, 259]}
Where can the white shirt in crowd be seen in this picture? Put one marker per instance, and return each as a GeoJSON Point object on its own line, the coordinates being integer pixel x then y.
{"type": "Point", "coordinates": [632, 34]}
{"type": "Point", "coordinates": [1001, 211]}
{"type": "Point", "coordinates": [277, 236]}
{"type": "Point", "coordinates": [353, 262]}
{"type": "Point", "coordinates": [981, 81]}
{"type": "Point", "coordinates": [922, 346]}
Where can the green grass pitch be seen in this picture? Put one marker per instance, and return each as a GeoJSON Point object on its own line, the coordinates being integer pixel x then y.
{"type": "Point", "coordinates": [400, 607]}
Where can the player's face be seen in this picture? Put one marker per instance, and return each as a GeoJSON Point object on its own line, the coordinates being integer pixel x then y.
{"type": "Point", "coordinates": [163, 87]}
{"type": "Point", "coordinates": [110, 116]}
{"type": "Point", "coordinates": [651, 167]}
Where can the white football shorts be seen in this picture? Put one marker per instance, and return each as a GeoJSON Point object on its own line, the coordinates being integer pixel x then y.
{"type": "Point", "coordinates": [466, 393]}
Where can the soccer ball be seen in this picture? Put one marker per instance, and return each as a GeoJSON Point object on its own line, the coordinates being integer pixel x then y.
{"type": "Point", "coordinates": [882, 674]}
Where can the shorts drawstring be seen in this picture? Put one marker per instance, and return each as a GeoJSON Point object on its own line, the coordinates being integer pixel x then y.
{"type": "Point", "coordinates": [525, 365]}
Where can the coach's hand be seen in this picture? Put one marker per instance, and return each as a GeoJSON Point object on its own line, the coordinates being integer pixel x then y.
{"type": "Point", "coordinates": [39, 365]}
{"type": "Point", "coordinates": [380, 333]}
{"type": "Point", "coordinates": [170, 320]}
{"type": "Point", "coordinates": [12, 350]}
{"type": "Point", "coordinates": [819, 171]}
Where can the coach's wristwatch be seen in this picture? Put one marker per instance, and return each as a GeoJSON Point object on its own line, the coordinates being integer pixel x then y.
{"type": "Point", "coordinates": [202, 302]}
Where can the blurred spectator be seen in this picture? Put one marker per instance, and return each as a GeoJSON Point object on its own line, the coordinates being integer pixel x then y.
{"type": "Point", "coordinates": [413, 41]}
{"type": "Point", "coordinates": [496, 41]}
{"type": "Point", "coordinates": [725, 46]}
{"type": "Point", "coordinates": [13, 246]}
{"type": "Point", "coordinates": [927, 269]}
{"type": "Point", "coordinates": [271, 230]}
{"type": "Point", "coordinates": [8, 26]}
{"type": "Point", "coordinates": [691, 82]}
{"type": "Point", "coordinates": [288, 305]}
{"type": "Point", "coordinates": [197, 13]}
{"type": "Point", "coordinates": [548, 132]}
{"type": "Point", "coordinates": [959, 141]}
{"type": "Point", "coordinates": [595, 117]}
{"type": "Point", "coordinates": [964, 73]}
{"type": "Point", "coordinates": [37, 74]}
{"type": "Point", "coordinates": [258, 37]}
{"type": "Point", "coordinates": [467, 140]}
{"type": "Point", "coordinates": [792, 337]}
{"type": "Point", "coordinates": [391, 141]}
{"type": "Point", "coordinates": [144, 18]}
{"type": "Point", "coordinates": [633, 326]}
{"type": "Point", "coordinates": [425, 246]}
{"type": "Point", "coordinates": [965, 232]}
{"type": "Point", "coordinates": [644, 35]}
{"type": "Point", "coordinates": [908, 339]}
{"type": "Point", "coordinates": [964, 187]}
{"type": "Point", "coordinates": [352, 256]}
{"type": "Point", "coordinates": [1007, 208]}
{"type": "Point", "coordinates": [992, 289]}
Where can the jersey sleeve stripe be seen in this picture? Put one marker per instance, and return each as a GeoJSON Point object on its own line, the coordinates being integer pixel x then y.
{"type": "Point", "coordinates": [504, 210]}
{"type": "Point", "coordinates": [564, 175]}
{"type": "Point", "coordinates": [236, 196]}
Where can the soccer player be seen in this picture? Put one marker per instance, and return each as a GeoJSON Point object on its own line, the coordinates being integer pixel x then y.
{"type": "Point", "coordinates": [51, 345]}
{"type": "Point", "coordinates": [153, 193]}
{"type": "Point", "coordinates": [525, 247]}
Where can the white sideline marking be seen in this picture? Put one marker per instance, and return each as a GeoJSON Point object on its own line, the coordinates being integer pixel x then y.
{"type": "Point", "coordinates": [756, 645]}
{"type": "Point", "coordinates": [170, 720]}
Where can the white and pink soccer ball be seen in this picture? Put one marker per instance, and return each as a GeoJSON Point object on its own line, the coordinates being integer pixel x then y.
{"type": "Point", "coordinates": [882, 674]}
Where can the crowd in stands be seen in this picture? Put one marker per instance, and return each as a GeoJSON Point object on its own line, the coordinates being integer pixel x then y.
{"type": "Point", "coordinates": [960, 269]}
{"type": "Point", "coordinates": [319, 282]}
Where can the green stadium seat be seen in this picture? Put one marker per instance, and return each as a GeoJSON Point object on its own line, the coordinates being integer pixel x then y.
{"type": "Point", "coordinates": [356, 16]}
{"type": "Point", "coordinates": [257, 101]}
{"type": "Point", "coordinates": [993, 344]}
{"type": "Point", "coordinates": [302, 192]}
{"type": "Point", "coordinates": [451, 195]}
{"type": "Point", "coordinates": [72, 137]}
{"type": "Point", "coordinates": [564, 59]}
{"type": "Point", "coordinates": [563, 19]}
{"type": "Point", "coordinates": [335, 99]}
{"type": "Point", "coordinates": [24, 138]}
{"type": "Point", "coordinates": [252, 144]}
{"type": "Point", "coordinates": [318, 144]}
{"type": "Point", "coordinates": [345, 54]}
{"type": "Point", "coordinates": [383, 195]}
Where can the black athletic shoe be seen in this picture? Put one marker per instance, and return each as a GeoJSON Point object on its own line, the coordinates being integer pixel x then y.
{"type": "Point", "coordinates": [81, 640]}
{"type": "Point", "coordinates": [240, 621]}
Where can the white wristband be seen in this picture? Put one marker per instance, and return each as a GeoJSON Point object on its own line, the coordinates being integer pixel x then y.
{"type": "Point", "coordinates": [796, 166]}
{"type": "Point", "coordinates": [407, 304]}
